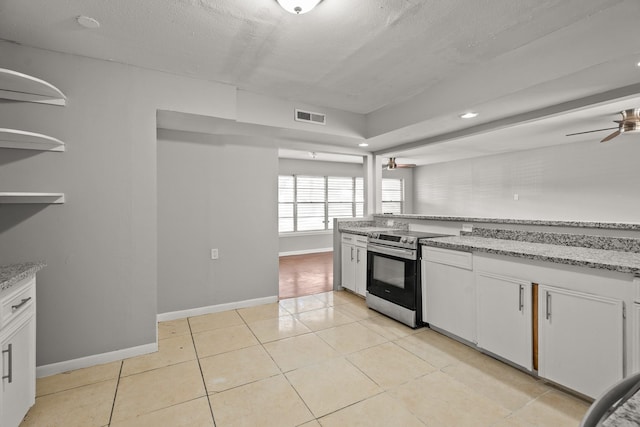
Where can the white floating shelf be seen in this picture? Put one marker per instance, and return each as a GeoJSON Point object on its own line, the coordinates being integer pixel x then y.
{"type": "Point", "coordinates": [22, 139]}
{"type": "Point", "coordinates": [23, 87]}
{"type": "Point", "coordinates": [14, 197]}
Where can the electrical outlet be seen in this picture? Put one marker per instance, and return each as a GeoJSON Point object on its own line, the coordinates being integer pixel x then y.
{"type": "Point", "coordinates": [516, 196]}
{"type": "Point", "coordinates": [214, 254]}
{"type": "Point", "coordinates": [468, 228]}
{"type": "Point", "coordinates": [390, 223]}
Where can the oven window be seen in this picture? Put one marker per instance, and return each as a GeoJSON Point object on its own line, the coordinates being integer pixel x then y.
{"type": "Point", "coordinates": [389, 271]}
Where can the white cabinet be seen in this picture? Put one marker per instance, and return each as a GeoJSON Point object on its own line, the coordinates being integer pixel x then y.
{"type": "Point", "coordinates": [448, 291]}
{"type": "Point", "coordinates": [635, 354]}
{"type": "Point", "coordinates": [504, 314]}
{"type": "Point", "coordinates": [581, 339]}
{"type": "Point", "coordinates": [354, 263]}
{"type": "Point", "coordinates": [17, 342]}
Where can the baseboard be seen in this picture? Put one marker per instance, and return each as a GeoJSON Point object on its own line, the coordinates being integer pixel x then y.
{"type": "Point", "coordinates": [305, 251]}
{"type": "Point", "coordinates": [173, 315]}
{"type": "Point", "coordinates": [96, 359]}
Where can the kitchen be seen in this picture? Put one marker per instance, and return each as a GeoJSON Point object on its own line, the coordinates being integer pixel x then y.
{"type": "Point", "coordinates": [145, 151]}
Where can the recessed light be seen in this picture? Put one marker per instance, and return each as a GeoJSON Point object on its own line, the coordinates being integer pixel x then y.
{"type": "Point", "coordinates": [638, 64]}
{"type": "Point", "coordinates": [363, 144]}
{"type": "Point", "coordinates": [469, 115]}
{"type": "Point", "coordinates": [88, 22]}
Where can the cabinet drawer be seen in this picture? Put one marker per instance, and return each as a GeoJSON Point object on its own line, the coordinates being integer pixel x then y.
{"type": "Point", "coordinates": [354, 239]}
{"type": "Point", "coordinates": [17, 301]}
{"type": "Point", "coordinates": [448, 257]}
{"type": "Point", "coordinates": [348, 238]}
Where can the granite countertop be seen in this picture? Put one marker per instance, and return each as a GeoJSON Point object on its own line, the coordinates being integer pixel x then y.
{"type": "Point", "coordinates": [627, 414]}
{"type": "Point", "coordinates": [620, 261]}
{"type": "Point", "coordinates": [540, 222]}
{"type": "Point", "coordinates": [363, 231]}
{"type": "Point", "coordinates": [14, 273]}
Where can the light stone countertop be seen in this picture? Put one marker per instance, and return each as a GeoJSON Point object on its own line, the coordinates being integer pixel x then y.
{"type": "Point", "coordinates": [623, 262]}
{"type": "Point", "coordinates": [14, 273]}
{"type": "Point", "coordinates": [539, 222]}
{"type": "Point", "coordinates": [363, 231]}
{"type": "Point", "coordinates": [627, 414]}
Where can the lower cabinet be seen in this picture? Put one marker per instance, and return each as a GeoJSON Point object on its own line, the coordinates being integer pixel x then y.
{"type": "Point", "coordinates": [581, 339]}
{"type": "Point", "coordinates": [448, 291]}
{"type": "Point", "coordinates": [504, 315]}
{"type": "Point", "coordinates": [354, 263]}
{"type": "Point", "coordinates": [635, 353]}
{"type": "Point", "coordinates": [18, 357]}
{"type": "Point", "coordinates": [18, 373]}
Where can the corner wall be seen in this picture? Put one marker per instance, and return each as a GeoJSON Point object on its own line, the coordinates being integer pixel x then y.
{"type": "Point", "coordinates": [221, 192]}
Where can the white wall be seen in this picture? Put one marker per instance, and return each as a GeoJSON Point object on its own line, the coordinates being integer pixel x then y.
{"type": "Point", "coordinates": [586, 181]}
{"type": "Point", "coordinates": [216, 192]}
{"type": "Point", "coordinates": [98, 291]}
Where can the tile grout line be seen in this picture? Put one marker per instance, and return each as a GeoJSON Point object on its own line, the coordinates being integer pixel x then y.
{"type": "Point", "coordinates": [115, 395]}
{"type": "Point", "coordinates": [204, 383]}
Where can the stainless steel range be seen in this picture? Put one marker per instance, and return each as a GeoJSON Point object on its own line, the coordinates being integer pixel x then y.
{"type": "Point", "coordinates": [393, 274]}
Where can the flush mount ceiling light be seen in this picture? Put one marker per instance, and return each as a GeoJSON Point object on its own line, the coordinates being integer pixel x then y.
{"type": "Point", "coordinates": [298, 7]}
{"type": "Point", "coordinates": [469, 115]}
{"type": "Point", "coordinates": [88, 22]}
{"type": "Point", "coordinates": [363, 144]}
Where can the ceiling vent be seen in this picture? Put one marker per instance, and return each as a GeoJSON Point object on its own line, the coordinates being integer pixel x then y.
{"type": "Point", "coordinates": [309, 117]}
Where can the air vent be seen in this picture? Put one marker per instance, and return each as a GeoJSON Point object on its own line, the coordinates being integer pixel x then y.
{"type": "Point", "coordinates": [309, 117]}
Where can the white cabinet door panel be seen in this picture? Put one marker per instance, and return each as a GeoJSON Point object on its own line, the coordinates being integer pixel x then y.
{"type": "Point", "coordinates": [581, 339]}
{"type": "Point", "coordinates": [505, 318]}
{"type": "Point", "coordinates": [348, 267]}
{"type": "Point", "coordinates": [448, 299]}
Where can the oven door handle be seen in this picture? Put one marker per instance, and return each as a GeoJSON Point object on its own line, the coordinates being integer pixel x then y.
{"type": "Point", "coordinates": [395, 252]}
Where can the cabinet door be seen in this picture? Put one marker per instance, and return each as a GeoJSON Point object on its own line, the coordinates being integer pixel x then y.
{"type": "Point", "coordinates": [361, 271]}
{"type": "Point", "coordinates": [448, 299]}
{"type": "Point", "coordinates": [348, 267]}
{"type": "Point", "coordinates": [505, 318]}
{"type": "Point", "coordinates": [18, 374]}
{"type": "Point", "coordinates": [635, 353]}
{"type": "Point", "coordinates": [581, 339]}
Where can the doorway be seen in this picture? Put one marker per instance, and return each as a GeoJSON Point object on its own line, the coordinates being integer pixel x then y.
{"type": "Point", "coordinates": [306, 274]}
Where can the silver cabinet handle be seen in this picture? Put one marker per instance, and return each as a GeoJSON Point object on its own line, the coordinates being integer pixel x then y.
{"type": "Point", "coordinates": [358, 255]}
{"type": "Point", "coordinates": [548, 314]}
{"type": "Point", "coordinates": [23, 302]}
{"type": "Point", "coordinates": [9, 376]}
{"type": "Point", "coordinates": [521, 298]}
{"type": "Point", "coordinates": [351, 253]}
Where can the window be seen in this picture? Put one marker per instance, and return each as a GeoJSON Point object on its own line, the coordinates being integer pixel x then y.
{"type": "Point", "coordinates": [392, 195]}
{"type": "Point", "coordinates": [309, 203]}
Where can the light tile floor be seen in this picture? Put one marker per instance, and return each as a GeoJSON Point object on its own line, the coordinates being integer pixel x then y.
{"type": "Point", "coordinates": [323, 360]}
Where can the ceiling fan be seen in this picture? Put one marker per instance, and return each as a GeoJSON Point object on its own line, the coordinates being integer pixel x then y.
{"type": "Point", "coordinates": [391, 165]}
{"type": "Point", "coordinates": [630, 123]}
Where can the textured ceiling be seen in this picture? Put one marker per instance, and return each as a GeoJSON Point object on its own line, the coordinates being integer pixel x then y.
{"type": "Point", "coordinates": [356, 55]}
{"type": "Point", "coordinates": [421, 62]}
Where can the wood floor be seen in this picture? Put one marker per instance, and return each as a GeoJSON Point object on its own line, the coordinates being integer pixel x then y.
{"type": "Point", "coordinates": [306, 274]}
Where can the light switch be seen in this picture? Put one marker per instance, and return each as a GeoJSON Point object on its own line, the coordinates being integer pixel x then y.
{"type": "Point", "coordinates": [214, 253]}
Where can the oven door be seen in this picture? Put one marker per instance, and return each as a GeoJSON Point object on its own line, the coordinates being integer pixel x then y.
{"type": "Point", "coordinates": [392, 274]}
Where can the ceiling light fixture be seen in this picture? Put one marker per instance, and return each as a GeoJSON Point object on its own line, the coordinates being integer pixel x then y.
{"type": "Point", "coordinates": [469, 115]}
{"type": "Point", "coordinates": [88, 22]}
{"type": "Point", "coordinates": [363, 144]}
{"type": "Point", "coordinates": [298, 7]}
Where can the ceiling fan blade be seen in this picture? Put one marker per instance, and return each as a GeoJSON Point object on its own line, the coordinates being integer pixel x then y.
{"type": "Point", "coordinates": [610, 137]}
{"type": "Point", "coordinates": [590, 131]}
